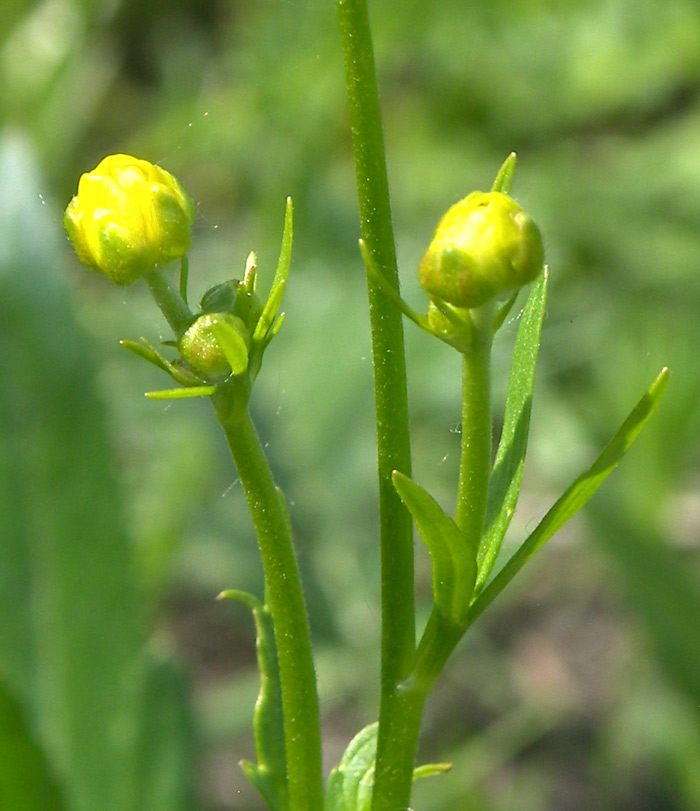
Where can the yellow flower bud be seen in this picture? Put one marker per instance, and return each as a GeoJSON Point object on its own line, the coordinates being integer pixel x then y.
{"type": "Point", "coordinates": [202, 348]}
{"type": "Point", "coordinates": [484, 246]}
{"type": "Point", "coordinates": [127, 217]}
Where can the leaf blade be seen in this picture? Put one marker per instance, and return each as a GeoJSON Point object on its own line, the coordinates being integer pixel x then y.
{"type": "Point", "coordinates": [577, 494]}
{"type": "Point", "coordinates": [454, 562]}
{"type": "Point", "coordinates": [506, 477]}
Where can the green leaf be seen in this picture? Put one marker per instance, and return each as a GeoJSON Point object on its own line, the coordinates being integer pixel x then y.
{"type": "Point", "coordinates": [504, 486]}
{"type": "Point", "coordinates": [70, 615]}
{"type": "Point", "coordinates": [350, 783]}
{"type": "Point", "coordinates": [232, 345]}
{"type": "Point", "coordinates": [269, 774]}
{"type": "Point", "coordinates": [279, 281]}
{"type": "Point", "coordinates": [181, 394]}
{"type": "Point", "coordinates": [576, 496]}
{"type": "Point", "coordinates": [504, 178]}
{"type": "Point", "coordinates": [454, 562]}
{"type": "Point", "coordinates": [149, 353]}
{"type": "Point", "coordinates": [285, 257]}
{"type": "Point", "coordinates": [660, 586]}
{"type": "Point", "coordinates": [26, 783]}
{"type": "Point", "coordinates": [164, 754]}
{"type": "Point", "coordinates": [430, 770]}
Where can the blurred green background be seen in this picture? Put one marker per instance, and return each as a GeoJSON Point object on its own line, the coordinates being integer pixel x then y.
{"type": "Point", "coordinates": [123, 684]}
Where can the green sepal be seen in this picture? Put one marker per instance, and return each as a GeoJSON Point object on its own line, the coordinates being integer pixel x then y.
{"type": "Point", "coordinates": [576, 495]}
{"type": "Point", "coordinates": [232, 345]}
{"type": "Point", "coordinates": [350, 783]}
{"type": "Point", "coordinates": [506, 477]}
{"type": "Point", "coordinates": [504, 176]}
{"type": "Point", "coordinates": [269, 774]}
{"type": "Point", "coordinates": [453, 558]}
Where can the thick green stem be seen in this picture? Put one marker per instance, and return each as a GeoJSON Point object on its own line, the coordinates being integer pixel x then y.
{"type": "Point", "coordinates": [169, 300]}
{"type": "Point", "coordinates": [284, 598]}
{"type": "Point", "coordinates": [398, 729]}
{"type": "Point", "coordinates": [475, 462]}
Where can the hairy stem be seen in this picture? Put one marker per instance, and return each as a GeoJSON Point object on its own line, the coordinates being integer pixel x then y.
{"type": "Point", "coordinates": [398, 729]}
{"type": "Point", "coordinates": [475, 460]}
{"type": "Point", "coordinates": [285, 601]}
{"type": "Point", "coordinates": [169, 300]}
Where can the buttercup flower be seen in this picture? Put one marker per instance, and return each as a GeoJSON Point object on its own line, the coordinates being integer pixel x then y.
{"type": "Point", "coordinates": [127, 217]}
{"type": "Point", "coordinates": [484, 246]}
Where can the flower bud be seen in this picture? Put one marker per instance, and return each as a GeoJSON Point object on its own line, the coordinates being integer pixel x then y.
{"type": "Point", "coordinates": [127, 217]}
{"type": "Point", "coordinates": [484, 246]}
{"type": "Point", "coordinates": [203, 350]}
{"type": "Point", "coordinates": [234, 296]}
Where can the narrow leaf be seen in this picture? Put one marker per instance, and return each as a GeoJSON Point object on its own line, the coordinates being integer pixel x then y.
{"type": "Point", "coordinates": [502, 312]}
{"type": "Point", "coordinates": [148, 352]}
{"type": "Point", "coordinates": [164, 750]}
{"type": "Point", "coordinates": [576, 496]}
{"type": "Point", "coordinates": [274, 300]}
{"type": "Point", "coordinates": [26, 781]}
{"type": "Point", "coordinates": [350, 783]}
{"type": "Point", "coordinates": [430, 769]}
{"type": "Point", "coordinates": [454, 562]}
{"type": "Point", "coordinates": [269, 312]}
{"type": "Point", "coordinates": [506, 477]}
{"type": "Point", "coordinates": [269, 775]}
{"type": "Point", "coordinates": [286, 248]}
{"type": "Point", "coordinates": [504, 178]}
{"type": "Point", "coordinates": [181, 394]}
{"type": "Point", "coordinates": [387, 288]}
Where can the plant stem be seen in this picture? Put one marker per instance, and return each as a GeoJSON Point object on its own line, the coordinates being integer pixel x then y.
{"type": "Point", "coordinates": [475, 460]}
{"type": "Point", "coordinates": [284, 599]}
{"type": "Point", "coordinates": [398, 729]}
{"type": "Point", "coordinates": [169, 300]}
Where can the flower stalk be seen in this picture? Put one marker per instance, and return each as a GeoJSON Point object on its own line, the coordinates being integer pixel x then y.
{"type": "Point", "coordinates": [283, 598]}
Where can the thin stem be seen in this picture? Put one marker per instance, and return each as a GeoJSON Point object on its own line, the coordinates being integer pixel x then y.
{"type": "Point", "coordinates": [475, 461]}
{"type": "Point", "coordinates": [285, 600]}
{"type": "Point", "coordinates": [169, 300]}
{"type": "Point", "coordinates": [398, 729]}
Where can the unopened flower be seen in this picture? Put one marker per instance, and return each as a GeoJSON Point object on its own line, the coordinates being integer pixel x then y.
{"type": "Point", "coordinates": [216, 344]}
{"type": "Point", "coordinates": [485, 246]}
{"type": "Point", "coordinates": [127, 217]}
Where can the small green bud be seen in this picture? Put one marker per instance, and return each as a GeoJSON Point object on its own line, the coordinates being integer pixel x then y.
{"type": "Point", "coordinates": [484, 246]}
{"type": "Point", "coordinates": [127, 217]}
{"type": "Point", "coordinates": [202, 348]}
{"type": "Point", "coordinates": [234, 296]}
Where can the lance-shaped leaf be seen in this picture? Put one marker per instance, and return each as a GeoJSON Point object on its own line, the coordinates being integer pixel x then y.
{"type": "Point", "coordinates": [504, 486]}
{"type": "Point", "coordinates": [148, 352]}
{"type": "Point", "coordinates": [181, 394]}
{"type": "Point", "coordinates": [26, 781]}
{"type": "Point", "coordinates": [274, 300]}
{"type": "Point", "coordinates": [504, 178]}
{"type": "Point", "coordinates": [269, 774]}
{"type": "Point", "coordinates": [576, 496]}
{"type": "Point", "coordinates": [454, 561]}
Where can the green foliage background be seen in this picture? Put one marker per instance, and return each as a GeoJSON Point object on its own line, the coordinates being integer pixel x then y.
{"type": "Point", "coordinates": [123, 685]}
